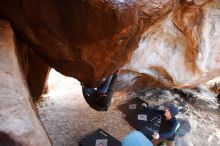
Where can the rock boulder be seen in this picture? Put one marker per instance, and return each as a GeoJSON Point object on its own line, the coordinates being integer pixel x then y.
{"type": "Point", "coordinates": [19, 125]}
{"type": "Point", "coordinates": [84, 39]}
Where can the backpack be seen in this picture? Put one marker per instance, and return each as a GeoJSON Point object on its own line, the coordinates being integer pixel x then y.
{"type": "Point", "coordinates": [183, 128]}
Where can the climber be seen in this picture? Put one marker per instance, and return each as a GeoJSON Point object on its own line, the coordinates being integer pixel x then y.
{"type": "Point", "coordinates": [100, 98]}
{"type": "Point", "coordinates": [168, 125]}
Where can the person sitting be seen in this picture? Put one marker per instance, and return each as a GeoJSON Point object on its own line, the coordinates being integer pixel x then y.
{"type": "Point", "coordinates": [100, 98]}
{"type": "Point", "coordinates": [168, 125]}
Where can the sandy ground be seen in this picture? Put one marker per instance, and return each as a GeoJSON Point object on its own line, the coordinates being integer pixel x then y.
{"type": "Point", "coordinates": [67, 118]}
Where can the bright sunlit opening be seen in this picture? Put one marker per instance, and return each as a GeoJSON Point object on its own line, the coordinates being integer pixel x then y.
{"type": "Point", "coordinates": [60, 85]}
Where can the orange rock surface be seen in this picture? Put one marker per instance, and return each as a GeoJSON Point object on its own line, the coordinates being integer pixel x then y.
{"type": "Point", "coordinates": [84, 39]}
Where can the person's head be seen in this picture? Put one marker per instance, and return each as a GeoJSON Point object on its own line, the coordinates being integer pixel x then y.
{"type": "Point", "coordinates": [171, 111]}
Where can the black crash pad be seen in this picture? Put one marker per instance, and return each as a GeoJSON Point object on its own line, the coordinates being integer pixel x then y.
{"type": "Point", "coordinates": [153, 119]}
{"type": "Point", "coordinates": [99, 135]}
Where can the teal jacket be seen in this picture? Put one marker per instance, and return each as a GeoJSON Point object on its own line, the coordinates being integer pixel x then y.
{"type": "Point", "coordinates": [136, 138]}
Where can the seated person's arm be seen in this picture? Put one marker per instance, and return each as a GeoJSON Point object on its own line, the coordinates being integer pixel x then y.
{"type": "Point", "coordinates": [160, 112]}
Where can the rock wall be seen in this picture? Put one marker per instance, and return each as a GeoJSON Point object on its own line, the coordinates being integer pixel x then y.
{"type": "Point", "coordinates": [181, 50]}
{"type": "Point", "coordinates": [19, 125]}
{"type": "Point", "coordinates": [34, 69]}
{"type": "Point", "coordinates": [88, 40]}
{"type": "Point", "coordinates": [84, 39]}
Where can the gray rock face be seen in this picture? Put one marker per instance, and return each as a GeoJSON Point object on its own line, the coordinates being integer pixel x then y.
{"type": "Point", "coordinates": [18, 122]}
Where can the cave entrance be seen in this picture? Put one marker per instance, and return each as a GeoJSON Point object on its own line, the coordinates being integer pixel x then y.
{"type": "Point", "coordinates": [60, 85]}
